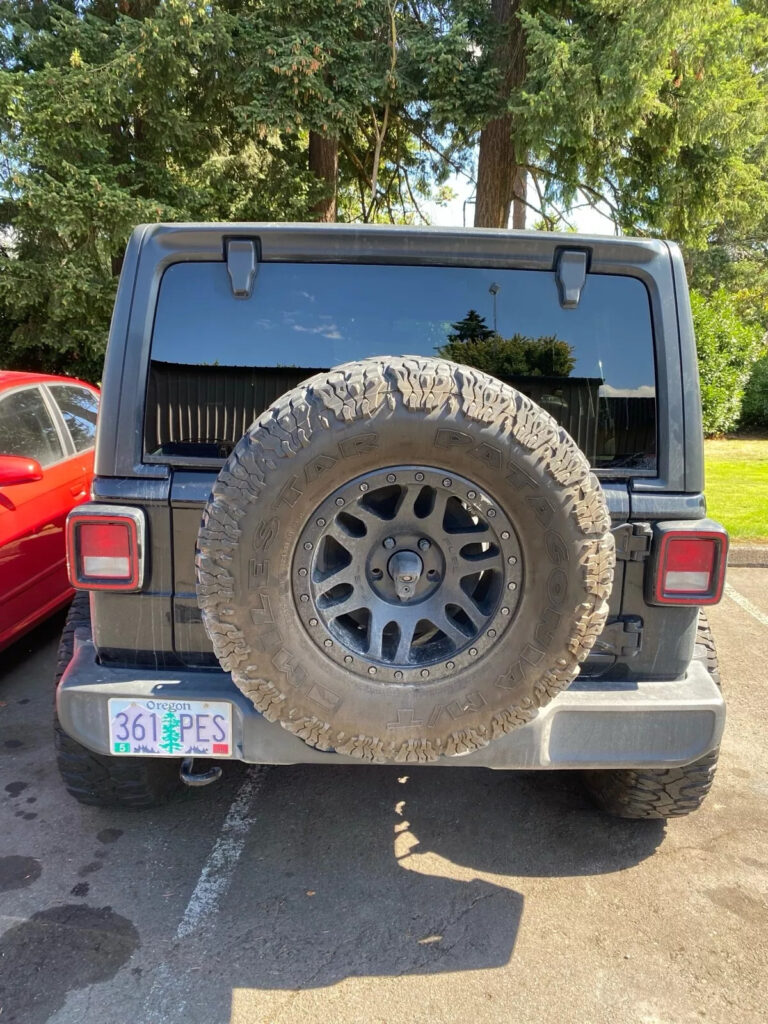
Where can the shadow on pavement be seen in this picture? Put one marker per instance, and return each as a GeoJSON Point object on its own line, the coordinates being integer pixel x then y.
{"type": "Point", "coordinates": [32, 648]}
{"type": "Point", "coordinates": [373, 871]}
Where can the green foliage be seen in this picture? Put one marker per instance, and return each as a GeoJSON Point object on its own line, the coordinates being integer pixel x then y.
{"type": "Point", "coordinates": [513, 357]}
{"type": "Point", "coordinates": [106, 120]}
{"type": "Point", "coordinates": [655, 111]}
{"type": "Point", "coordinates": [754, 409]}
{"type": "Point", "coordinates": [727, 347]}
{"type": "Point", "coordinates": [114, 115]}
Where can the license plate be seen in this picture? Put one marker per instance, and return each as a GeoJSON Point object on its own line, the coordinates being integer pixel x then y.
{"type": "Point", "coordinates": [170, 728]}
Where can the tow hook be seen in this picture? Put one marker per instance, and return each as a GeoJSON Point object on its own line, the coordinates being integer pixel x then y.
{"type": "Point", "coordinates": [193, 778]}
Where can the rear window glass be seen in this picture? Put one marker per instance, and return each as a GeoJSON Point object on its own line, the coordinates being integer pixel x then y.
{"type": "Point", "coordinates": [218, 361]}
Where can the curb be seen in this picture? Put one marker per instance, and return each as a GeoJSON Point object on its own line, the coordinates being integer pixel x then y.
{"type": "Point", "coordinates": [754, 556]}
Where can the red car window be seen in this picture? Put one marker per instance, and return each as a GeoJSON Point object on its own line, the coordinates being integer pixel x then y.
{"type": "Point", "coordinates": [26, 427]}
{"type": "Point", "coordinates": [78, 407]}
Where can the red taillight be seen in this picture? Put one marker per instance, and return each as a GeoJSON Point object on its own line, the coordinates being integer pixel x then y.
{"type": "Point", "coordinates": [105, 547]}
{"type": "Point", "coordinates": [691, 567]}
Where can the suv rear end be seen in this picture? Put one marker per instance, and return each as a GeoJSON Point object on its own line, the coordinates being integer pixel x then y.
{"type": "Point", "coordinates": [214, 323]}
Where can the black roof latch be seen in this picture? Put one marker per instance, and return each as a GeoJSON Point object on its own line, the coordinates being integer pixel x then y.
{"type": "Point", "coordinates": [571, 274]}
{"type": "Point", "coordinates": [242, 264]}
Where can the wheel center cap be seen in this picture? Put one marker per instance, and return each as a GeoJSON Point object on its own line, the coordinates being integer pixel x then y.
{"type": "Point", "coordinates": [405, 568]}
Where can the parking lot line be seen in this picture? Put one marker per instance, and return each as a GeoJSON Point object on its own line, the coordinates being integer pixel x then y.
{"type": "Point", "coordinates": [218, 869]}
{"type": "Point", "coordinates": [746, 604]}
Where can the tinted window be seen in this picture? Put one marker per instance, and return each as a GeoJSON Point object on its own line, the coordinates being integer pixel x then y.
{"type": "Point", "coordinates": [78, 407]}
{"type": "Point", "coordinates": [591, 367]}
{"type": "Point", "coordinates": [26, 428]}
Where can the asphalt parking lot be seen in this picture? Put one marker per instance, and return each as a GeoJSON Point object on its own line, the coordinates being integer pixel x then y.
{"type": "Point", "coordinates": [380, 894]}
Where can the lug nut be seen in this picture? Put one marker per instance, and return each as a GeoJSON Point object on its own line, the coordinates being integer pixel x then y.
{"type": "Point", "coordinates": [491, 633]}
{"type": "Point", "coordinates": [304, 598]}
{"type": "Point", "coordinates": [363, 487]}
{"type": "Point", "coordinates": [372, 670]}
{"type": "Point", "coordinates": [511, 586]}
{"type": "Point", "coordinates": [313, 622]}
{"type": "Point", "coordinates": [424, 673]}
{"type": "Point", "coordinates": [424, 544]}
{"type": "Point", "coordinates": [447, 482]}
{"type": "Point", "coordinates": [307, 545]}
{"type": "Point", "coordinates": [450, 665]}
{"type": "Point", "coordinates": [302, 572]}
{"type": "Point", "coordinates": [398, 675]}
{"type": "Point", "coordinates": [471, 495]}
{"type": "Point", "coordinates": [473, 651]}
{"type": "Point", "coordinates": [347, 659]}
{"type": "Point", "coordinates": [339, 502]}
{"type": "Point", "coordinates": [391, 478]}
{"type": "Point", "coordinates": [512, 560]}
{"type": "Point", "coordinates": [419, 477]}
{"type": "Point", "coordinates": [320, 522]}
{"type": "Point", "coordinates": [389, 542]}
{"type": "Point", "coordinates": [505, 534]}
{"type": "Point", "coordinates": [491, 513]}
{"type": "Point", "coordinates": [505, 611]}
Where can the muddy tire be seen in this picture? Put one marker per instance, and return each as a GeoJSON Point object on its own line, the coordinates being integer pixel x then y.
{"type": "Point", "coordinates": [665, 792]}
{"type": "Point", "coordinates": [404, 559]}
{"type": "Point", "coordinates": [95, 779]}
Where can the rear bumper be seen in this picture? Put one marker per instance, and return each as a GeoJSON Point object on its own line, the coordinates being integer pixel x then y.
{"type": "Point", "coordinates": [608, 724]}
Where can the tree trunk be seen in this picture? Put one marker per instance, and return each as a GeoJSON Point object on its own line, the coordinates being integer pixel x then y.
{"type": "Point", "coordinates": [324, 162]}
{"type": "Point", "coordinates": [500, 168]}
{"type": "Point", "coordinates": [519, 193]}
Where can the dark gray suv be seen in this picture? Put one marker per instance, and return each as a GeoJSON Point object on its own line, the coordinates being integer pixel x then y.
{"type": "Point", "coordinates": [305, 546]}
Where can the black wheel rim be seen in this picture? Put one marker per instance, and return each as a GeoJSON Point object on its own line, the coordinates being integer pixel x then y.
{"type": "Point", "coordinates": [407, 573]}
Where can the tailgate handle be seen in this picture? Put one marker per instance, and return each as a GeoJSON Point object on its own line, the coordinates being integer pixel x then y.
{"type": "Point", "coordinates": [241, 266]}
{"type": "Point", "coordinates": [571, 274]}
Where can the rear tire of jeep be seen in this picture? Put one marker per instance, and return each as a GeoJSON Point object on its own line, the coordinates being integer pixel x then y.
{"type": "Point", "coordinates": [95, 779]}
{"type": "Point", "coordinates": [404, 559]}
{"type": "Point", "coordinates": [664, 792]}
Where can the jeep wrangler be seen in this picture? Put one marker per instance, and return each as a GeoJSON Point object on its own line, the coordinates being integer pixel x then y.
{"type": "Point", "coordinates": [301, 547]}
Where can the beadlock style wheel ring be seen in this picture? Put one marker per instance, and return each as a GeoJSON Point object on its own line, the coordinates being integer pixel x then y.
{"type": "Point", "coordinates": [407, 574]}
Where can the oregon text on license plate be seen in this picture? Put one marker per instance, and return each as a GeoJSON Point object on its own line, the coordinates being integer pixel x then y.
{"type": "Point", "coordinates": [170, 728]}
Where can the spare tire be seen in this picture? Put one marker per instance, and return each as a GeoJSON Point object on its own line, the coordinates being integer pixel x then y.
{"type": "Point", "coordinates": [404, 558]}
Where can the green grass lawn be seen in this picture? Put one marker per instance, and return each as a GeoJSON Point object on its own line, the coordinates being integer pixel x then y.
{"type": "Point", "coordinates": [737, 486]}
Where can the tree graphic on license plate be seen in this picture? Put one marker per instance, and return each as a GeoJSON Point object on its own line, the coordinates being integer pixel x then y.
{"type": "Point", "coordinates": [171, 734]}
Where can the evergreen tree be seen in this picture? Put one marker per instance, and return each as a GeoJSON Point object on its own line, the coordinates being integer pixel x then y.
{"type": "Point", "coordinates": [472, 328]}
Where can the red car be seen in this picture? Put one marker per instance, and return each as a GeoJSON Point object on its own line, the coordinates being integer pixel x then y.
{"type": "Point", "coordinates": [47, 429]}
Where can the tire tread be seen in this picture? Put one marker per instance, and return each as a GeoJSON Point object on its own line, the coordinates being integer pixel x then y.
{"type": "Point", "coordinates": [663, 792]}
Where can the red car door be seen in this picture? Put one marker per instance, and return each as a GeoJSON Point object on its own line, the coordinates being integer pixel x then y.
{"type": "Point", "coordinates": [33, 577]}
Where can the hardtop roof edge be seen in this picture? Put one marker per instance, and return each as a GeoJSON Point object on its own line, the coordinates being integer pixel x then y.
{"type": "Point", "coordinates": [280, 240]}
